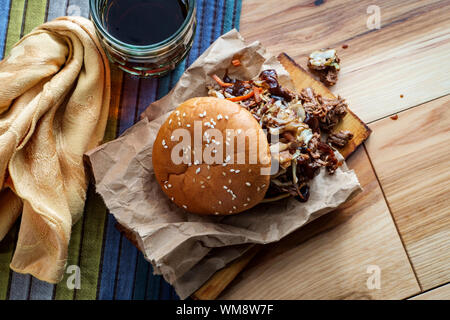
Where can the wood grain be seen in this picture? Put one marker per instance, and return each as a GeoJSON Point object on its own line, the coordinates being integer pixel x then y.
{"type": "Point", "coordinates": [301, 79]}
{"type": "Point", "coordinates": [441, 293]}
{"type": "Point", "coordinates": [411, 157]}
{"type": "Point", "coordinates": [406, 56]}
{"type": "Point", "coordinates": [328, 258]}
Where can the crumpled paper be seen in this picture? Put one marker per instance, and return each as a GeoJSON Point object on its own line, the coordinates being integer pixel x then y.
{"type": "Point", "coordinates": [185, 248]}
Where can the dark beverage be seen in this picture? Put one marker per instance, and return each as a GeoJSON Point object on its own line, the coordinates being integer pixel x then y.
{"type": "Point", "coordinates": [144, 22]}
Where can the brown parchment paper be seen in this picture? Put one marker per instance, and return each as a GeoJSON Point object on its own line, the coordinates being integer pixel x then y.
{"type": "Point", "coordinates": [187, 249]}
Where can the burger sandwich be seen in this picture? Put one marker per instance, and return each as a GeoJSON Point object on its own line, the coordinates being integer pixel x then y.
{"type": "Point", "coordinates": [250, 141]}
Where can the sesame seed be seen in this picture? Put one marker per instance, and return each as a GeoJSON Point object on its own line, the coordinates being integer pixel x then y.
{"type": "Point", "coordinates": [208, 166]}
{"type": "Point", "coordinates": [184, 206]}
{"type": "Point", "coordinates": [179, 123]}
{"type": "Point", "coordinates": [216, 213]}
{"type": "Point", "coordinates": [249, 170]}
{"type": "Point", "coordinates": [258, 189]}
{"type": "Point", "coordinates": [170, 121]}
{"type": "Point", "coordinates": [230, 211]}
{"type": "Point", "coordinates": [248, 199]}
{"type": "Point", "coordinates": [197, 171]}
{"type": "Point", "coordinates": [234, 208]}
{"type": "Point", "coordinates": [196, 162]}
{"type": "Point", "coordinates": [219, 117]}
{"type": "Point", "coordinates": [231, 170]}
{"type": "Point", "coordinates": [220, 202]}
{"type": "Point", "coordinates": [184, 114]}
{"type": "Point", "coordinates": [263, 186]}
{"type": "Point", "coordinates": [208, 177]}
{"type": "Point", "coordinates": [237, 171]}
{"type": "Point", "coordinates": [172, 138]}
{"type": "Point", "coordinates": [248, 184]}
{"type": "Point", "coordinates": [177, 112]}
{"type": "Point", "coordinates": [225, 187]}
{"type": "Point", "coordinates": [169, 186]}
{"type": "Point", "coordinates": [202, 182]}
{"type": "Point", "coordinates": [239, 131]}
{"type": "Point", "coordinates": [172, 198]}
{"type": "Point", "coordinates": [245, 204]}
{"type": "Point", "coordinates": [203, 187]}
{"type": "Point", "coordinates": [188, 125]}
{"type": "Point", "coordinates": [223, 173]}
{"type": "Point", "coordinates": [226, 117]}
{"type": "Point", "coordinates": [229, 181]}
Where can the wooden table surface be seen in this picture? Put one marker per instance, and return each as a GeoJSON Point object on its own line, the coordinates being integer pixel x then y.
{"type": "Point", "coordinates": [398, 229]}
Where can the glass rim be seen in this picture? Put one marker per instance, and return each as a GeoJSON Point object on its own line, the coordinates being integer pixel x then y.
{"type": "Point", "coordinates": [120, 44]}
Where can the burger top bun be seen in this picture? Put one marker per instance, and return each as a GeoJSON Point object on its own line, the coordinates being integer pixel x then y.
{"type": "Point", "coordinates": [211, 157]}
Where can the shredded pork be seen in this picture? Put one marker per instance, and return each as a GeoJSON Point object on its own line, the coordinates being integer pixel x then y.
{"type": "Point", "coordinates": [340, 139]}
{"type": "Point", "coordinates": [325, 63]}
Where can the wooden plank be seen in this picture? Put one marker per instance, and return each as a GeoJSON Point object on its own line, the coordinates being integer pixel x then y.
{"type": "Point", "coordinates": [441, 293]}
{"type": "Point", "coordinates": [214, 286]}
{"type": "Point", "coordinates": [329, 258]}
{"type": "Point", "coordinates": [403, 57]}
{"type": "Point", "coordinates": [411, 157]}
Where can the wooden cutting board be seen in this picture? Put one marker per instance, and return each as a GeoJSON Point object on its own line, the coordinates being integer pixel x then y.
{"type": "Point", "coordinates": [302, 79]}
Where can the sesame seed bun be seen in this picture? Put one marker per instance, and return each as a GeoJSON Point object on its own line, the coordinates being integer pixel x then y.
{"type": "Point", "coordinates": [233, 179]}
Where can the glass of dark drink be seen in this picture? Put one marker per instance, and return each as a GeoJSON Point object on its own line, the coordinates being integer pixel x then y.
{"type": "Point", "coordinates": [147, 38]}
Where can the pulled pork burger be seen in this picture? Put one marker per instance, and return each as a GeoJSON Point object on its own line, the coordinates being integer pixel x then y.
{"type": "Point", "coordinates": [251, 141]}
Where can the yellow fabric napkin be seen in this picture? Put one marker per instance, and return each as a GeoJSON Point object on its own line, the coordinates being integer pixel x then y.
{"type": "Point", "coordinates": [54, 100]}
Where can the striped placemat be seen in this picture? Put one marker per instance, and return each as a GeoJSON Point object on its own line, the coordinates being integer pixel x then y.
{"type": "Point", "coordinates": [110, 266]}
